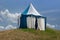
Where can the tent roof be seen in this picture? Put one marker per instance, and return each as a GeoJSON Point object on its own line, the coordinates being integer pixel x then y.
{"type": "Point", "coordinates": [30, 10]}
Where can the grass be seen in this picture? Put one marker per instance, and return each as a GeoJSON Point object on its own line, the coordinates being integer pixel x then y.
{"type": "Point", "coordinates": [30, 34]}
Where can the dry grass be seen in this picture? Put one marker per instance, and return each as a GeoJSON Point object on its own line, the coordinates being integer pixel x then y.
{"type": "Point", "coordinates": [29, 34]}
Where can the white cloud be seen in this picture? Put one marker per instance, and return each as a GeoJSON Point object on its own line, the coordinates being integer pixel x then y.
{"type": "Point", "coordinates": [50, 26]}
{"type": "Point", "coordinates": [12, 17]}
{"type": "Point", "coordinates": [9, 18]}
{"type": "Point", "coordinates": [8, 27]}
{"type": "Point", "coordinates": [1, 28]}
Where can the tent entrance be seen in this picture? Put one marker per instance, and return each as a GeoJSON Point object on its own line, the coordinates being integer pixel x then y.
{"type": "Point", "coordinates": [36, 24]}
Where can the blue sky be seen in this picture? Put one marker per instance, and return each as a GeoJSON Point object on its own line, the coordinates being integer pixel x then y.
{"type": "Point", "coordinates": [40, 5]}
{"type": "Point", "coordinates": [48, 8]}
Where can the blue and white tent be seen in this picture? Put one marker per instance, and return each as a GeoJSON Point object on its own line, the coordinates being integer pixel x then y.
{"type": "Point", "coordinates": [31, 10]}
{"type": "Point", "coordinates": [30, 18]}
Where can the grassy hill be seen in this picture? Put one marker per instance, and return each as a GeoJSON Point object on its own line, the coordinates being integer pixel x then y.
{"type": "Point", "coordinates": [30, 34]}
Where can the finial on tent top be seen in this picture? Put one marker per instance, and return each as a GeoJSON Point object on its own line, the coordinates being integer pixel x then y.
{"type": "Point", "coordinates": [31, 4]}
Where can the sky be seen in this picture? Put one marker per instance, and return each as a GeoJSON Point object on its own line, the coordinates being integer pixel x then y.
{"type": "Point", "coordinates": [10, 8]}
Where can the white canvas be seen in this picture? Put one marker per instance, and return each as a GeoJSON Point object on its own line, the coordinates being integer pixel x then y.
{"type": "Point", "coordinates": [31, 22]}
{"type": "Point", "coordinates": [33, 11]}
{"type": "Point", "coordinates": [41, 23]}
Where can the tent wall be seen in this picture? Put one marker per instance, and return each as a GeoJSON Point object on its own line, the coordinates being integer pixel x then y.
{"type": "Point", "coordinates": [41, 23]}
{"type": "Point", "coordinates": [33, 22]}
{"type": "Point", "coordinates": [30, 22]}
{"type": "Point", "coordinates": [23, 22]}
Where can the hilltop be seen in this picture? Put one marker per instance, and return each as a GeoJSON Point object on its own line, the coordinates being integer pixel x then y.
{"type": "Point", "coordinates": [30, 34]}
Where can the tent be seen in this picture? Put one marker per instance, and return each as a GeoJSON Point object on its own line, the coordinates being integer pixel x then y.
{"type": "Point", "coordinates": [30, 18]}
